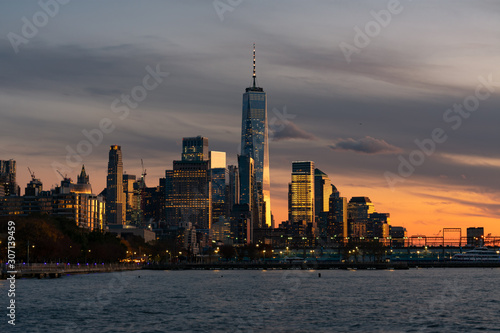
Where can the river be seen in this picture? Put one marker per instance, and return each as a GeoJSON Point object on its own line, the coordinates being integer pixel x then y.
{"type": "Point", "coordinates": [415, 300]}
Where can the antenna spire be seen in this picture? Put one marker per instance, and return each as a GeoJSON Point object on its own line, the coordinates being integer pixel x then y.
{"type": "Point", "coordinates": [254, 65]}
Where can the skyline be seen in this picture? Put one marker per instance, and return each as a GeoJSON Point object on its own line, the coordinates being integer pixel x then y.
{"type": "Point", "coordinates": [353, 119]}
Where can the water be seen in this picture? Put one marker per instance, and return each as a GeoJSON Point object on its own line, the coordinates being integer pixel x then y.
{"type": "Point", "coordinates": [416, 300]}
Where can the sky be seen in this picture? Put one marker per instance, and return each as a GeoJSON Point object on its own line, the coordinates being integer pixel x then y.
{"type": "Point", "coordinates": [394, 100]}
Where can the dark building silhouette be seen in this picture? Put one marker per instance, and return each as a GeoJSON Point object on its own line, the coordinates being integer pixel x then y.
{"type": "Point", "coordinates": [475, 236]}
{"type": "Point", "coordinates": [322, 191]}
{"type": "Point", "coordinates": [232, 189]}
{"type": "Point", "coordinates": [241, 224]}
{"type": "Point", "coordinates": [188, 187]}
{"type": "Point", "coordinates": [218, 176]}
{"type": "Point", "coordinates": [115, 197]}
{"type": "Point", "coordinates": [8, 185]}
{"type": "Point", "coordinates": [337, 217]}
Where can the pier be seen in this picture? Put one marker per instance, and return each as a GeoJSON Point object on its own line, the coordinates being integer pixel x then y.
{"type": "Point", "coordinates": [56, 270]}
{"type": "Point", "coordinates": [313, 265]}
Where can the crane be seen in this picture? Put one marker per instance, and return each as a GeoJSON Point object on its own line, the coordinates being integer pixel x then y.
{"type": "Point", "coordinates": [143, 175]}
{"type": "Point", "coordinates": [65, 177]}
{"type": "Point", "coordinates": [32, 174]}
{"type": "Point", "coordinates": [59, 172]}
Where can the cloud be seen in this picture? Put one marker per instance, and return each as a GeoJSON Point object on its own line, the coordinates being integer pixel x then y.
{"type": "Point", "coordinates": [366, 145]}
{"type": "Point", "coordinates": [473, 160]}
{"type": "Point", "coordinates": [289, 131]}
{"type": "Point", "coordinates": [478, 208]}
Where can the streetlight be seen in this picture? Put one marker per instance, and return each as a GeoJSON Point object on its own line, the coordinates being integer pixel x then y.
{"type": "Point", "coordinates": [28, 252]}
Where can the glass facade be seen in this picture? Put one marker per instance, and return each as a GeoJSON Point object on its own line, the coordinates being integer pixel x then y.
{"type": "Point", "coordinates": [337, 217]}
{"type": "Point", "coordinates": [188, 187]}
{"type": "Point", "coordinates": [254, 143]}
{"type": "Point", "coordinates": [8, 178]}
{"type": "Point", "coordinates": [322, 191]}
{"type": "Point", "coordinates": [246, 178]}
{"type": "Point", "coordinates": [301, 194]}
{"type": "Point", "coordinates": [115, 197]}
{"type": "Point", "coordinates": [195, 149]}
{"type": "Point", "coordinates": [218, 178]}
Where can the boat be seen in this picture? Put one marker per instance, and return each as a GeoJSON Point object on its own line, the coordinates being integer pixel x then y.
{"type": "Point", "coordinates": [481, 254]}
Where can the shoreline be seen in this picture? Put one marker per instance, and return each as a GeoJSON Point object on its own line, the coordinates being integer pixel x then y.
{"type": "Point", "coordinates": [41, 271]}
{"type": "Point", "coordinates": [312, 265]}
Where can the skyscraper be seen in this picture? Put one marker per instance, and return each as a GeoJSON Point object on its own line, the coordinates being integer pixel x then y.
{"type": "Point", "coordinates": [115, 197]}
{"type": "Point", "coordinates": [83, 178]}
{"type": "Point", "coordinates": [8, 178]}
{"type": "Point", "coordinates": [218, 176]}
{"type": "Point", "coordinates": [322, 191]}
{"type": "Point", "coordinates": [337, 227]}
{"type": "Point", "coordinates": [301, 194]}
{"type": "Point", "coordinates": [132, 193]}
{"type": "Point", "coordinates": [358, 212]}
{"type": "Point", "coordinates": [83, 183]}
{"type": "Point", "coordinates": [194, 149]}
{"type": "Point", "coordinates": [254, 141]}
{"type": "Point", "coordinates": [246, 168]}
{"type": "Point", "coordinates": [233, 188]}
{"type": "Point", "coordinates": [188, 188]}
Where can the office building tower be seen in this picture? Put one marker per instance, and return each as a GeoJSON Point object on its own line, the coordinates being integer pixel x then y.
{"type": "Point", "coordinates": [132, 191]}
{"type": "Point", "coordinates": [83, 178]}
{"type": "Point", "coordinates": [221, 231]}
{"type": "Point", "coordinates": [398, 236]}
{"type": "Point", "coordinates": [301, 194]}
{"type": "Point", "coordinates": [115, 197]}
{"type": "Point", "coordinates": [378, 226]}
{"type": "Point", "coordinates": [153, 203]}
{"type": "Point", "coordinates": [322, 191]}
{"type": "Point", "coordinates": [254, 141]}
{"type": "Point", "coordinates": [218, 175]}
{"type": "Point", "coordinates": [250, 193]}
{"type": "Point", "coordinates": [475, 236]}
{"type": "Point", "coordinates": [77, 202]}
{"type": "Point", "coordinates": [233, 188]}
{"type": "Point", "coordinates": [188, 188]}
{"type": "Point", "coordinates": [195, 149]}
{"type": "Point", "coordinates": [83, 183]}
{"type": "Point", "coordinates": [241, 224]}
{"type": "Point", "coordinates": [358, 213]}
{"type": "Point", "coordinates": [8, 178]}
{"type": "Point", "coordinates": [247, 180]}
{"type": "Point", "coordinates": [337, 217]}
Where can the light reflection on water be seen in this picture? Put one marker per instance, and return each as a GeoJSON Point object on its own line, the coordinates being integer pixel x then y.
{"type": "Point", "coordinates": [425, 300]}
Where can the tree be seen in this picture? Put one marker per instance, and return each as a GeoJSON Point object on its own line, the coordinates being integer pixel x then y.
{"type": "Point", "coordinates": [227, 252]}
